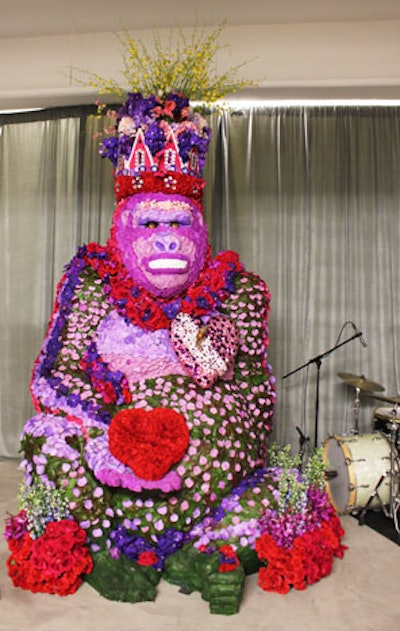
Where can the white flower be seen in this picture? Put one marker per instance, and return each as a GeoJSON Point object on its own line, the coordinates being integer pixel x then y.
{"type": "Point", "coordinates": [127, 126]}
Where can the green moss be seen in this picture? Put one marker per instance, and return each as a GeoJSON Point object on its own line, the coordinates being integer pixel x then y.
{"type": "Point", "coordinates": [122, 580]}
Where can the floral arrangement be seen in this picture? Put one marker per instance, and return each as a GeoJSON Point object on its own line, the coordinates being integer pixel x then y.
{"type": "Point", "coordinates": [157, 116]}
{"type": "Point", "coordinates": [183, 62]}
{"type": "Point", "coordinates": [297, 534]}
{"type": "Point", "coordinates": [291, 544]}
{"type": "Point", "coordinates": [157, 119]}
{"type": "Point", "coordinates": [309, 559]}
{"type": "Point", "coordinates": [49, 551]}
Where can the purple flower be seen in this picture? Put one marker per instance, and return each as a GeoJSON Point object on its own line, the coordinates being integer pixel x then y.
{"type": "Point", "coordinates": [109, 149]}
{"type": "Point", "coordinates": [16, 526]}
{"type": "Point", "coordinates": [171, 309]}
{"type": "Point", "coordinates": [155, 138]}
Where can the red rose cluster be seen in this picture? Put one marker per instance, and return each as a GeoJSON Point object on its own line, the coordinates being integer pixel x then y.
{"type": "Point", "coordinates": [54, 562]}
{"type": "Point", "coordinates": [306, 562]}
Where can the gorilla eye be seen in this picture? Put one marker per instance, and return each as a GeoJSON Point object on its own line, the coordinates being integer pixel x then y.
{"type": "Point", "coordinates": [174, 224]}
{"type": "Point", "coordinates": [151, 224]}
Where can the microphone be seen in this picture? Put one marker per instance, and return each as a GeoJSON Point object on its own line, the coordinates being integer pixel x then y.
{"type": "Point", "coordinates": [359, 334]}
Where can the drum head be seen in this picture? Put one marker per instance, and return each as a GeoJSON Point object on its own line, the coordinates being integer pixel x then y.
{"type": "Point", "coordinates": [338, 488]}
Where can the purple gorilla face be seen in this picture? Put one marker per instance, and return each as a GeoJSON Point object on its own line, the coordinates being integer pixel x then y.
{"type": "Point", "coordinates": [163, 241]}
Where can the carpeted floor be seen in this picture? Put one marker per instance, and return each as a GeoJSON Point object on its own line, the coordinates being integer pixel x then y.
{"type": "Point", "coordinates": [361, 594]}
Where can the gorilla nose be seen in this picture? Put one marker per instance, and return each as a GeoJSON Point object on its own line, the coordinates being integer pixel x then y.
{"type": "Point", "coordinates": [166, 244]}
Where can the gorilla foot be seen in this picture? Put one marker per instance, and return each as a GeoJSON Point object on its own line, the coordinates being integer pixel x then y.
{"type": "Point", "coordinates": [221, 584]}
{"type": "Point", "coordinates": [121, 579]}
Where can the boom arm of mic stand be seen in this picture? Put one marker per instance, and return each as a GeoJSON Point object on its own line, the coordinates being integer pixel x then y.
{"type": "Point", "coordinates": [318, 358]}
{"type": "Point", "coordinates": [318, 361]}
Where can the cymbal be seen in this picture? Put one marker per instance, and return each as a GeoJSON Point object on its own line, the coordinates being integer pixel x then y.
{"type": "Point", "coordinates": [389, 399]}
{"type": "Point", "coordinates": [359, 381]}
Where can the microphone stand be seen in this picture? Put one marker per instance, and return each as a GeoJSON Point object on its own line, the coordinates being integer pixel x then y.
{"type": "Point", "coordinates": [317, 360]}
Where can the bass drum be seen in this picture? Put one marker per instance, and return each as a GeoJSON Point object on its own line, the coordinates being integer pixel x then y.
{"type": "Point", "coordinates": [360, 461]}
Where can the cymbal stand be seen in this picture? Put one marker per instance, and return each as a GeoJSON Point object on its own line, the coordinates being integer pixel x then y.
{"type": "Point", "coordinates": [356, 412]}
{"type": "Point", "coordinates": [393, 449]}
{"type": "Point", "coordinates": [394, 472]}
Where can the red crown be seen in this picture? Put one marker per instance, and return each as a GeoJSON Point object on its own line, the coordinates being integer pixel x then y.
{"type": "Point", "coordinates": [155, 182]}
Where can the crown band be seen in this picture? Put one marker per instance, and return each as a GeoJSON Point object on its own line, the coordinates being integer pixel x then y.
{"type": "Point", "coordinates": [170, 183]}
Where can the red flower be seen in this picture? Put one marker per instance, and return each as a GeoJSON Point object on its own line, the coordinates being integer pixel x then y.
{"type": "Point", "coordinates": [147, 558]}
{"type": "Point", "coordinates": [272, 580]}
{"type": "Point", "coordinates": [53, 563]}
{"type": "Point", "coordinates": [229, 561]}
{"type": "Point", "coordinates": [228, 551]}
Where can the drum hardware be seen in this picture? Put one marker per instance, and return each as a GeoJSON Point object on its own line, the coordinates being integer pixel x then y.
{"type": "Point", "coordinates": [391, 508]}
{"type": "Point", "coordinates": [330, 474]}
{"type": "Point", "coordinates": [359, 383]}
{"type": "Point", "coordinates": [395, 398]}
{"type": "Point", "coordinates": [356, 412]}
{"type": "Point", "coordinates": [396, 506]}
{"type": "Point", "coordinates": [374, 494]}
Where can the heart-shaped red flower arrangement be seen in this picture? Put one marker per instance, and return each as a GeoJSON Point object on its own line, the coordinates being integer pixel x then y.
{"type": "Point", "coordinates": [150, 442]}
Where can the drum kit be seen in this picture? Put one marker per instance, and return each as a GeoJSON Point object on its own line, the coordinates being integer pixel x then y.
{"type": "Point", "coordinates": [364, 469]}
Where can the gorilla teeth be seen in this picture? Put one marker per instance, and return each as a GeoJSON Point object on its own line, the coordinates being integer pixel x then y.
{"type": "Point", "coordinates": [167, 264]}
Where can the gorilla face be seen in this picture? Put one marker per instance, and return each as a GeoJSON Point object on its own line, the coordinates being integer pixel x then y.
{"type": "Point", "coordinates": [163, 241]}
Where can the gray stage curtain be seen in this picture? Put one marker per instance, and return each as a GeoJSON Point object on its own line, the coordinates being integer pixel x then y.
{"type": "Point", "coordinates": [309, 197]}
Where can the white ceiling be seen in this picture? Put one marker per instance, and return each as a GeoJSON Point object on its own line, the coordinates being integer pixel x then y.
{"type": "Point", "coordinates": [34, 18]}
{"type": "Point", "coordinates": [338, 48]}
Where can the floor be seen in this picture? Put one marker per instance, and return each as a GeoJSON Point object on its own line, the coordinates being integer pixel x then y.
{"type": "Point", "coordinates": [362, 593]}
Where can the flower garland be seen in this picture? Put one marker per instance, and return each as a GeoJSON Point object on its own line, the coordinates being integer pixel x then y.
{"type": "Point", "coordinates": [116, 290]}
{"type": "Point", "coordinates": [112, 385]}
{"type": "Point", "coordinates": [215, 283]}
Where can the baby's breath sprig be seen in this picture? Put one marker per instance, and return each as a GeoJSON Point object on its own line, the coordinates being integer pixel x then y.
{"type": "Point", "coordinates": [43, 503]}
{"type": "Point", "coordinates": [183, 63]}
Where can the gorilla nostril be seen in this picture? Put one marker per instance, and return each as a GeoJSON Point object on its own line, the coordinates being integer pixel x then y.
{"type": "Point", "coordinates": [160, 246]}
{"type": "Point", "coordinates": [173, 245]}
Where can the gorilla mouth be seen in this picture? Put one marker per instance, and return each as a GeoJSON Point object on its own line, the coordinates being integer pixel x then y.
{"type": "Point", "coordinates": [168, 264]}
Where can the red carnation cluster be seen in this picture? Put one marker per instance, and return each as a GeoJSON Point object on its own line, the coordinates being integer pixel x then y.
{"type": "Point", "coordinates": [53, 563]}
{"type": "Point", "coordinates": [306, 562]}
{"type": "Point", "coordinates": [149, 442]}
